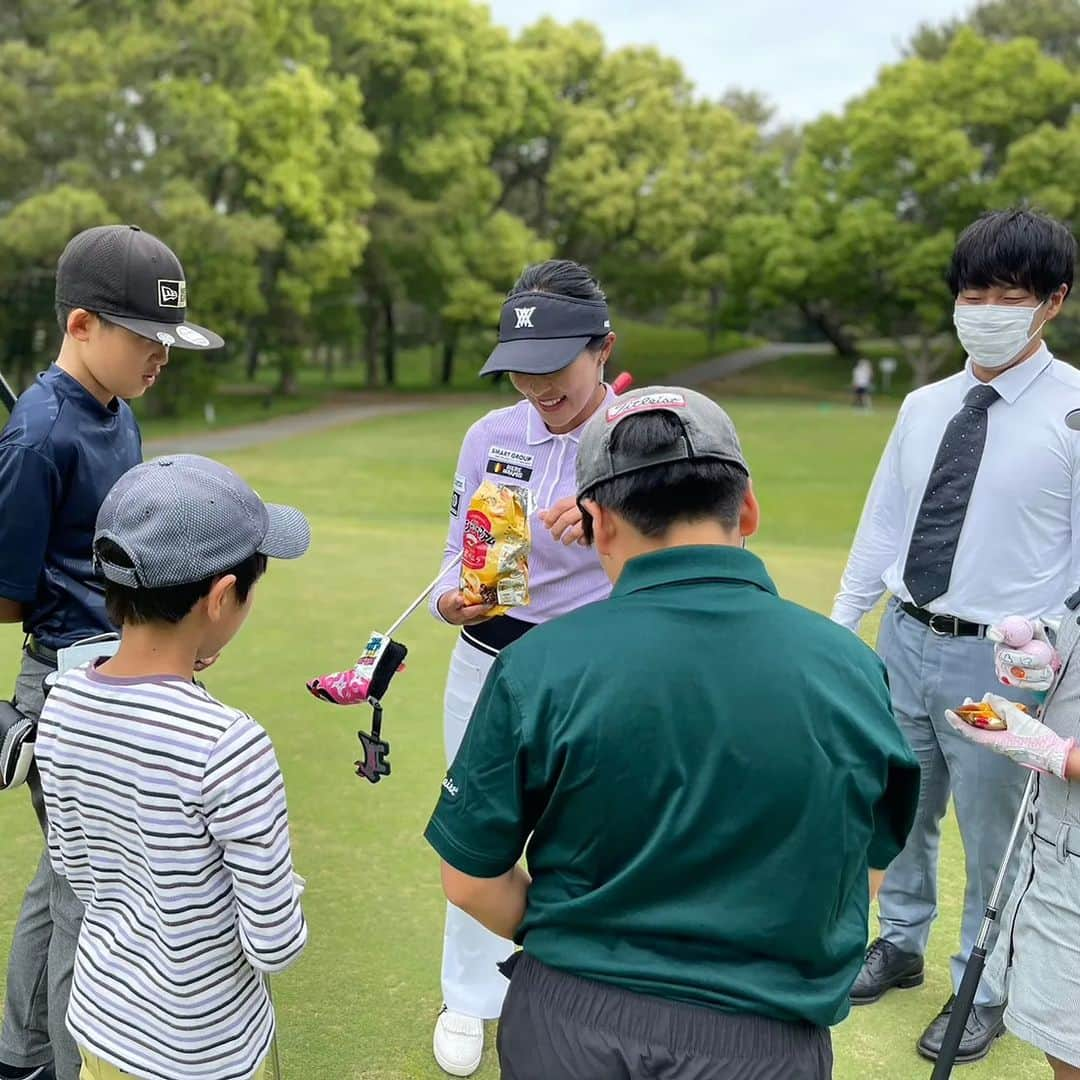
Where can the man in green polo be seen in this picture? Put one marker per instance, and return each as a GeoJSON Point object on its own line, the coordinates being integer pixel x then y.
{"type": "Point", "coordinates": [700, 773]}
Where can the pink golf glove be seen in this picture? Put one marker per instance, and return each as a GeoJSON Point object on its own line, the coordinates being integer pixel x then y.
{"type": "Point", "coordinates": [1023, 655]}
{"type": "Point", "coordinates": [1027, 741]}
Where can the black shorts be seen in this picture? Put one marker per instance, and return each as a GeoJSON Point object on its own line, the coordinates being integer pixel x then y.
{"type": "Point", "coordinates": [556, 1026]}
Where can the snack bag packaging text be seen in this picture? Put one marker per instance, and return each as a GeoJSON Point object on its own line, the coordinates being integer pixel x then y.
{"type": "Point", "coordinates": [495, 569]}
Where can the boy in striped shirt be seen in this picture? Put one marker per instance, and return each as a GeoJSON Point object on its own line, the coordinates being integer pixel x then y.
{"type": "Point", "coordinates": [166, 807]}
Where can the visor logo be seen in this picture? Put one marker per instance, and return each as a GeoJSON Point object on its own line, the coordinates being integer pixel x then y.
{"type": "Point", "coordinates": [524, 317]}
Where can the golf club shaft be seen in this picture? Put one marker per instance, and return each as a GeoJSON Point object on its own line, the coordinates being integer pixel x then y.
{"type": "Point", "coordinates": [275, 1059]}
{"type": "Point", "coordinates": [7, 395]}
{"type": "Point", "coordinates": [965, 996]}
{"type": "Point", "coordinates": [425, 594]}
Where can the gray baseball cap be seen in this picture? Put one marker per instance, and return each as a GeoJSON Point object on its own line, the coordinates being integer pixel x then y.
{"type": "Point", "coordinates": [186, 518]}
{"type": "Point", "coordinates": [708, 435]}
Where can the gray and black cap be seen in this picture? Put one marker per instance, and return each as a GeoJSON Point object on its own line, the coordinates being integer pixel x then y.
{"type": "Point", "coordinates": [543, 332]}
{"type": "Point", "coordinates": [133, 279]}
{"type": "Point", "coordinates": [707, 435]}
{"type": "Point", "coordinates": [186, 518]}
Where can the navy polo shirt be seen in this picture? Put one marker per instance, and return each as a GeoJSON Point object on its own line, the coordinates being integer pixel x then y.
{"type": "Point", "coordinates": [61, 452]}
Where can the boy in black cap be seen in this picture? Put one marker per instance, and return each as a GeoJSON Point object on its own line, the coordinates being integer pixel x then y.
{"type": "Point", "coordinates": [121, 301]}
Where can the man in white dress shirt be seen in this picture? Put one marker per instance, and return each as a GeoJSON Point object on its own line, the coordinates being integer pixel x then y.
{"type": "Point", "coordinates": [973, 514]}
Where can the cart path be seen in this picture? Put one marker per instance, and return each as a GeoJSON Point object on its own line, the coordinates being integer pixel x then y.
{"type": "Point", "coordinates": [326, 417]}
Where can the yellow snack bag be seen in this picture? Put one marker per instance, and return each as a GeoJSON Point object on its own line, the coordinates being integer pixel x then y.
{"type": "Point", "coordinates": [495, 569]}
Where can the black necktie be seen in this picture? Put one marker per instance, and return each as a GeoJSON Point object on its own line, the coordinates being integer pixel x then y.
{"type": "Point", "coordinates": [944, 506]}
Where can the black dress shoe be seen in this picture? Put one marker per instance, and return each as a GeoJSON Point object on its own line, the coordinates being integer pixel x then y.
{"type": "Point", "coordinates": [983, 1026]}
{"type": "Point", "coordinates": [886, 966]}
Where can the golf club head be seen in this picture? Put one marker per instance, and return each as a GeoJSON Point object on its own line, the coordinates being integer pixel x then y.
{"type": "Point", "coordinates": [374, 765]}
{"type": "Point", "coordinates": [368, 680]}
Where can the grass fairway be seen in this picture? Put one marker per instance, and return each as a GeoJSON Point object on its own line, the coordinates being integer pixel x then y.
{"type": "Point", "coordinates": [362, 1001]}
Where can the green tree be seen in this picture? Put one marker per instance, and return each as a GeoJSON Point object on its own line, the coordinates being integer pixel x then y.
{"type": "Point", "coordinates": [628, 172]}
{"type": "Point", "coordinates": [1055, 24]}
{"type": "Point", "coordinates": [443, 90]}
{"type": "Point", "coordinates": [220, 127]}
{"type": "Point", "coordinates": [861, 229]}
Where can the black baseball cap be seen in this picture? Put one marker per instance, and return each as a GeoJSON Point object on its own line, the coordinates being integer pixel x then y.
{"type": "Point", "coordinates": [542, 332]}
{"type": "Point", "coordinates": [131, 278]}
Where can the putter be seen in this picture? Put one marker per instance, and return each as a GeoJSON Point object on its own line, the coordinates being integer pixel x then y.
{"type": "Point", "coordinates": [965, 996]}
{"type": "Point", "coordinates": [369, 679]}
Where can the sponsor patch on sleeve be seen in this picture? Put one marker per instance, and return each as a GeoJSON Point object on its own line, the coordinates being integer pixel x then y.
{"type": "Point", "coordinates": [510, 464]}
{"type": "Point", "coordinates": [455, 495]}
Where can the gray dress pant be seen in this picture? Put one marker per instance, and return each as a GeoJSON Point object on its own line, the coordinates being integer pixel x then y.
{"type": "Point", "coordinates": [929, 673]}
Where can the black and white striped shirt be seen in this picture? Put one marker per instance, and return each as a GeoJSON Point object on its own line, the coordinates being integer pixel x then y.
{"type": "Point", "coordinates": [167, 816]}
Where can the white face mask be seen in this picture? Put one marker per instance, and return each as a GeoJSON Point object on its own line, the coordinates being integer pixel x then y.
{"type": "Point", "coordinates": [994, 335]}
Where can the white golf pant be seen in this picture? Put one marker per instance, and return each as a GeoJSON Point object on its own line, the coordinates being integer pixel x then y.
{"type": "Point", "coordinates": [471, 982]}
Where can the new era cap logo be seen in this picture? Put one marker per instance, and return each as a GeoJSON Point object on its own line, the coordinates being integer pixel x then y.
{"type": "Point", "coordinates": [645, 403]}
{"type": "Point", "coordinates": [172, 293]}
{"type": "Point", "coordinates": [524, 317]}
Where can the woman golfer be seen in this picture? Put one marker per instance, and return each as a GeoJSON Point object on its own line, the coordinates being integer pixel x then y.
{"type": "Point", "coordinates": [1038, 948]}
{"type": "Point", "coordinates": [554, 340]}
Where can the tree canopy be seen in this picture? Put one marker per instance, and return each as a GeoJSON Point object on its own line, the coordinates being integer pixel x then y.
{"type": "Point", "coordinates": [361, 174]}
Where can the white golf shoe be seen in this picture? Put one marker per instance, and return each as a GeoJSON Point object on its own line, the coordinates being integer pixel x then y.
{"type": "Point", "coordinates": [458, 1042]}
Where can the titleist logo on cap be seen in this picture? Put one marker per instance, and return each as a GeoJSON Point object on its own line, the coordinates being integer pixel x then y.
{"type": "Point", "coordinates": [645, 403]}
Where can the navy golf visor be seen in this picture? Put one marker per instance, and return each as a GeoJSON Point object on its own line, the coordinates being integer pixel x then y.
{"type": "Point", "coordinates": [542, 332]}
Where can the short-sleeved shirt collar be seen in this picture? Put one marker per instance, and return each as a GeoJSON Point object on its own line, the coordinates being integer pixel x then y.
{"type": "Point", "coordinates": [714, 562]}
{"type": "Point", "coordinates": [536, 431]}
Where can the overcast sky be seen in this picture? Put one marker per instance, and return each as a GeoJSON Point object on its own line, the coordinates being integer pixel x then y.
{"type": "Point", "coordinates": [807, 58]}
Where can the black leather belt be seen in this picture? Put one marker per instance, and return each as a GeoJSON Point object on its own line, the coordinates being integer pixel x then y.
{"type": "Point", "coordinates": [493, 635]}
{"type": "Point", "coordinates": [944, 625]}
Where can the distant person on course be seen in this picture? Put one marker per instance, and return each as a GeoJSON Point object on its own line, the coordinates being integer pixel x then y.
{"type": "Point", "coordinates": [862, 382]}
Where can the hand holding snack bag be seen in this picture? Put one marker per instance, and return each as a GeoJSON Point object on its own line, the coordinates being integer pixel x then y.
{"type": "Point", "coordinates": [497, 540]}
{"type": "Point", "coordinates": [1007, 728]}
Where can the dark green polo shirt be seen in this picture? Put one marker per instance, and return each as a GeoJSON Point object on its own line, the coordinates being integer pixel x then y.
{"type": "Point", "coordinates": [703, 773]}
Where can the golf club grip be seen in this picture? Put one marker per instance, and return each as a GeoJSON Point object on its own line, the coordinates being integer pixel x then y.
{"type": "Point", "coordinates": [622, 382]}
{"type": "Point", "coordinates": [965, 998]}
